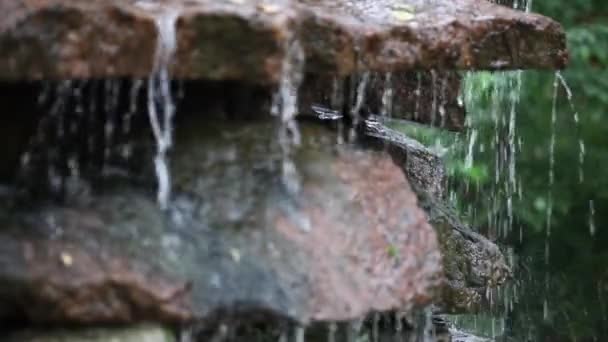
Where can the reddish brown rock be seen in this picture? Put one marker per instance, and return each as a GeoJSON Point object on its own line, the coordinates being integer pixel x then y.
{"type": "Point", "coordinates": [416, 34]}
{"type": "Point", "coordinates": [347, 240]}
{"type": "Point", "coordinates": [246, 40]}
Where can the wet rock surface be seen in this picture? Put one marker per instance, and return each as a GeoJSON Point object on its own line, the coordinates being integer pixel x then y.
{"type": "Point", "coordinates": [473, 265]}
{"type": "Point", "coordinates": [342, 238]}
{"type": "Point", "coordinates": [247, 40]}
{"type": "Point", "coordinates": [424, 168]}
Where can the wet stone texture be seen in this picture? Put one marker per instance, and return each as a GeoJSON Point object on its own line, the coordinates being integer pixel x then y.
{"type": "Point", "coordinates": [424, 168]}
{"type": "Point", "coordinates": [473, 265]}
{"type": "Point", "coordinates": [342, 237]}
{"type": "Point", "coordinates": [247, 40]}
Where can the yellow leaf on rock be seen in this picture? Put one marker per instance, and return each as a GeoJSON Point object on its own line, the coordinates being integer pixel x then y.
{"type": "Point", "coordinates": [403, 15]}
{"type": "Point", "coordinates": [66, 259]}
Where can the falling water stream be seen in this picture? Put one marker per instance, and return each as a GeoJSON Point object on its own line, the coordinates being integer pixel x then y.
{"type": "Point", "coordinates": [285, 107]}
{"type": "Point", "coordinates": [160, 100]}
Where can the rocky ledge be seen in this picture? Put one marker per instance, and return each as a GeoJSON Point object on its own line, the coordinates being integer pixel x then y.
{"type": "Point", "coordinates": [248, 40]}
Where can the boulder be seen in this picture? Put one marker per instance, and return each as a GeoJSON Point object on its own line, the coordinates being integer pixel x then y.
{"type": "Point", "coordinates": [473, 265]}
{"type": "Point", "coordinates": [325, 233]}
{"type": "Point", "coordinates": [248, 40]}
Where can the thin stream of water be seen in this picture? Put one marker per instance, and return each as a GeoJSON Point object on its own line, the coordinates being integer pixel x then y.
{"type": "Point", "coordinates": [359, 101]}
{"type": "Point", "coordinates": [576, 119]}
{"type": "Point", "coordinates": [160, 101]}
{"type": "Point", "coordinates": [285, 107]}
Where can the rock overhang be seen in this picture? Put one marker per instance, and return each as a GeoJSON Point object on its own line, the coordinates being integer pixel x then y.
{"type": "Point", "coordinates": [247, 40]}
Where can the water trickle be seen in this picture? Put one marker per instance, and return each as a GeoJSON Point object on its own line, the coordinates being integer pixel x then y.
{"type": "Point", "coordinates": [552, 157]}
{"type": "Point", "coordinates": [428, 325]}
{"type": "Point", "coordinates": [354, 329]}
{"type": "Point", "coordinates": [331, 332]}
{"type": "Point", "coordinates": [576, 119]}
{"type": "Point", "coordinates": [284, 336]}
{"type": "Point", "coordinates": [337, 101]}
{"type": "Point", "coordinates": [359, 100]}
{"type": "Point", "coordinates": [387, 96]}
{"type": "Point", "coordinates": [300, 334]}
{"type": "Point", "coordinates": [511, 185]}
{"type": "Point", "coordinates": [434, 94]}
{"type": "Point", "coordinates": [285, 107]}
{"type": "Point", "coordinates": [418, 94]}
{"type": "Point", "coordinates": [592, 218]}
{"type": "Point", "coordinates": [160, 101]}
{"type": "Point", "coordinates": [468, 163]}
{"type": "Point", "coordinates": [128, 117]}
{"type": "Point", "coordinates": [375, 327]}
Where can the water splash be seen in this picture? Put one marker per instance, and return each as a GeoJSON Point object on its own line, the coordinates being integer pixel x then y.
{"type": "Point", "coordinates": [111, 92]}
{"type": "Point", "coordinates": [160, 101]}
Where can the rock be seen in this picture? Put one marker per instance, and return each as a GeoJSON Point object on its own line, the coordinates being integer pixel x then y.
{"type": "Point", "coordinates": [247, 40]}
{"type": "Point", "coordinates": [473, 265]}
{"type": "Point", "coordinates": [423, 167]}
{"type": "Point", "coordinates": [416, 34]}
{"type": "Point", "coordinates": [339, 238]}
{"type": "Point", "coordinates": [144, 333]}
